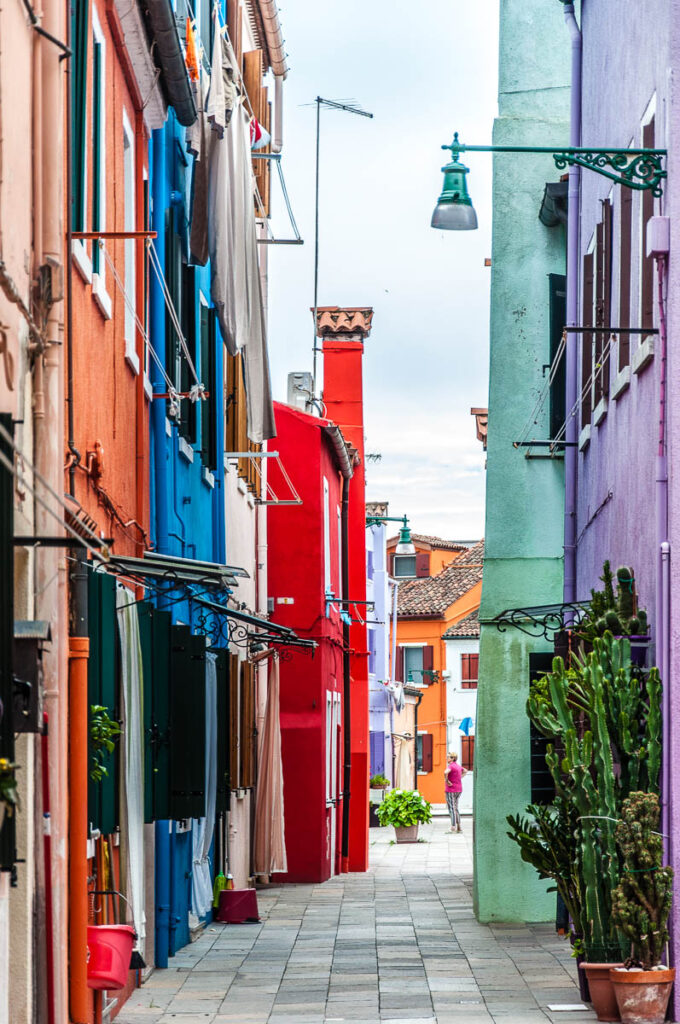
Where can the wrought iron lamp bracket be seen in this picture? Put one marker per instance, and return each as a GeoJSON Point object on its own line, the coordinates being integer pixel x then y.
{"type": "Point", "coordinates": [639, 169]}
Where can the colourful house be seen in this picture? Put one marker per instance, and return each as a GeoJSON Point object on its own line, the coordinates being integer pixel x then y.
{"type": "Point", "coordinates": [427, 606]}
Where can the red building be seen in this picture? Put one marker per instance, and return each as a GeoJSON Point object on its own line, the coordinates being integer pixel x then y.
{"type": "Point", "coordinates": [305, 583]}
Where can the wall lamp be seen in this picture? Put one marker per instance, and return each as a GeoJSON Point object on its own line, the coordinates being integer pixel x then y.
{"type": "Point", "coordinates": [405, 545]}
{"type": "Point", "coordinates": [639, 169]}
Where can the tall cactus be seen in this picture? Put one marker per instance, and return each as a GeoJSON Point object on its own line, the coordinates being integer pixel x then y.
{"type": "Point", "coordinates": [616, 612]}
{"type": "Point", "coordinates": [606, 717]}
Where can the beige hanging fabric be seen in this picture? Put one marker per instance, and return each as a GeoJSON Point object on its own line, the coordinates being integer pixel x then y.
{"type": "Point", "coordinates": [270, 841]}
{"type": "Point", "coordinates": [403, 773]}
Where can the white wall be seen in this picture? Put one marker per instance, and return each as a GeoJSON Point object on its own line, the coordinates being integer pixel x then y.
{"type": "Point", "coordinates": [460, 704]}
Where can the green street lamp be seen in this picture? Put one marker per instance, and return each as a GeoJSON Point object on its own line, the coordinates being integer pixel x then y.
{"type": "Point", "coordinates": [405, 545]}
{"type": "Point", "coordinates": [639, 169]}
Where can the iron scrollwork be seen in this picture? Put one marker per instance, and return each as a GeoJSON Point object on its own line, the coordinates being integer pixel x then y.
{"type": "Point", "coordinates": [638, 170]}
{"type": "Point", "coordinates": [543, 621]}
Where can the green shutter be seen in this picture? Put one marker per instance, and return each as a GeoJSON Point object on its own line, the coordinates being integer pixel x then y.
{"type": "Point", "coordinates": [80, 17]}
{"type": "Point", "coordinates": [162, 625]}
{"type": "Point", "coordinates": [209, 379]}
{"type": "Point", "coordinates": [97, 169]}
{"type": "Point", "coordinates": [103, 689]}
{"type": "Point", "coordinates": [557, 285]}
{"type": "Point", "coordinates": [7, 831]}
{"type": "Point", "coordinates": [187, 724]}
{"type": "Point", "coordinates": [222, 667]}
{"type": "Point", "coordinates": [145, 616]}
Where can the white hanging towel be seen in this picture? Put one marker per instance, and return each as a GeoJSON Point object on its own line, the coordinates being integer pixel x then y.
{"type": "Point", "coordinates": [202, 832]}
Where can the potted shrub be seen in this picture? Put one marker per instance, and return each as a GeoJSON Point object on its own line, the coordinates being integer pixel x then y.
{"type": "Point", "coordinates": [405, 809]}
{"type": "Point", "coordinates": [641, 905]}
{"type": "Point", "coordinates": [9, 797]}
{"type": "Point", "coordinates": [377, 785]}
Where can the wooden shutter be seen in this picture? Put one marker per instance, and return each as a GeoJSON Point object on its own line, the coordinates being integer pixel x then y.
{"type": "Point", "coordinates": [162, 627]}
{"type": "Point", "coordinates": [423, 563]}
{"type": "Point", "coordinates": [8, 830]}
{"type": "Point", "coordinates": [468, 752]}
{"type": "Point", "coordinates": [603, 273]}
{"type": "Point", "coordinates": [399, 671]}
{"type": "Point", "coordinates": [234, 28]}
{"type": "Point", "coordinates": [248, 728]}
{"type": "Point", "coordinates": [209, 379]}
{"type": "Point", "coordinates": [647, 262]}
{"type": "Point", "coordinates": [80, 35]}
{"type": "Point", "coordinates": [222, 667]}
{"type": "Point", "coordinates": [469, 671]}
{"type": "Point", "coordinates": [587, 340]}
{"type": "Point", "coordinates": [187, 724]}
{"type": "Point", "coordinates": [625, 242]}
{"type": "Point", "coordinates": [557, 290]}
{"type": "Point", "coordinates": [98, 172]}
{"type": "Point", "coordinates": [145, 618]}
{"type": "Point", "coordinates": [103, 690]}
{"type": "Point", "coordinates": [427, 752]}
{"type": "Point", "coordinates": [390, 562]}
{"type": "Point", "coordinates": [542, 784]}
{"type": "Point", "coordinates": [428, 661]}
{"type": "Point", "coordinates": [234, 722]}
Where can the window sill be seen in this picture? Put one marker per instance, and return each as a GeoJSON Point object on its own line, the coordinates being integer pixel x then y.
{"type": "Point", "coordinates": [132, 359]}
{"type": "Point", "coordinates": [101, 296]}
{"type": "Point", "coordinates": [148, 387]}
{"type": "Point", "coordinates": [242, 485]}
{"type": "Point", "coordinates": [82, 260]}
{"type": "Point", "coordinates": [168, 427]}
{"type": "Point", "coordinates": [644, 354]}
{"type": "Point", "coordinates": [621, 382]}
{"type": "Point", "coordinates": [185, 449]}
{"type": "Point", "coordinates": [584, 438]}
{"type": "Point", "coordinates": [600, 412]}
{"type": "Point", "coordinates": [207, 477]}
{"type": "Point", "coordinates": [423, 773]}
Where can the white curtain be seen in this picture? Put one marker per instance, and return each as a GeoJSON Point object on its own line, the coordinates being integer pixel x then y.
{"type": "Point", "coordinates": [132, 760]}
{"type": "Point", "coordinates": [270, 840]}
{"type": "Point", "coordinates": [202, 832]}
{"type": "Point", "coordinates": [403, 769]}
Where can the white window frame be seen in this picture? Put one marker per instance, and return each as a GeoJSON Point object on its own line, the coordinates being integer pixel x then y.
{"type": "Point", "coordinates": [129, 223]}
{"type": "Point", "coordinates": [99, 292]}
{"type": "Point", "coordinates": [339, 515]}
{"type": "Point", "coordinates": [421, 684]}
{"type": "Point", "coordinates": [326, 537]}
{"type": "Point", "coordinates": [394, 567]}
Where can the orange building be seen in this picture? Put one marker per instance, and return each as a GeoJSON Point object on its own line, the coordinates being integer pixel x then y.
{"type": "Point", "coordinates": [441, 585]}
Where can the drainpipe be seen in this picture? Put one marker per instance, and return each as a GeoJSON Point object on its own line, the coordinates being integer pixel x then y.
{"type": "Point", "coordinates": [346, 682]}
{"type": "Point", "coordinates": [160, 479]}
{"type": "Point", "coordinates": [571, 436]}
{"type": "Point", "coordinates": [415, 743]}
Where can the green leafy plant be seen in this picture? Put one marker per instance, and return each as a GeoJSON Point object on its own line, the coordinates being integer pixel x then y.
{"type": "Point", "coordinates": [404, 807]}
{"type": "Point", "coordinates": [9, 794]}
{"type": "Point", "coordinates": [642, 899]}
{"type": "Point", "coordinates": [104, 734]}
{"type": "Point", "coordinates": [378, 782]}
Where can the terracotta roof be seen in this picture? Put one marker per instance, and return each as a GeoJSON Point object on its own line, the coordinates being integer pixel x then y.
{"type": "Point", "coordinates": [434, 542]}
{"type": "Point", "coordinates": [332, 320]}
{"type": "Point", "coordinates": [432, 595]}
{"type": "Point", "coordinates": [473, 555]}
{"type": "Point", "coordinates": [468, 627]}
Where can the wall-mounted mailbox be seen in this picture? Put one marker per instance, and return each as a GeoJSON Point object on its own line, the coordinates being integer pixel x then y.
{"type": "Point", "coordinates": [30, 638]}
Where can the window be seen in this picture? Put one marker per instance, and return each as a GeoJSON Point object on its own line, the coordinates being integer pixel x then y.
{"type": "Point", "coordinates": [371, 651]}
{"type": "Point", "coordinates": [625, 236]}
{"type": "Point", "coordinates": [646, 262]}
{"type": "Point", "coordinates": [413, 665]}
{"type": "Point", "coordinates": [98, 100]}
{"type": "Point", "coordinates": [603, 275]}
{"type": "Point", "coordinates": [180, 279]}
{"type": "Point", "coordinates": [587, 339]}
{"type": "Point", "coordinates": [469, 674]}
{"type": "Point", "coordinates": [79, 36]}
{"type": "Point", "coordinates": [404, 565]}
{"type": "Point", "coordinates": [467, 752]}
{"type": "Point", "coordinates": [208, 376]}
{"type": "Point", "coordinates": [558, 318]}
{"type": "Point", "coordinates": [424, 752]}
{"type": "Point", "coordinates": [130, 244]}
{"type": "Point", "coordinates": [326, 537]}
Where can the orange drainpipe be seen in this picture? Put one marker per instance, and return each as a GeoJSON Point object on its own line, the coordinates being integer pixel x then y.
{"type": "Point", "coordinates": [79, 994]}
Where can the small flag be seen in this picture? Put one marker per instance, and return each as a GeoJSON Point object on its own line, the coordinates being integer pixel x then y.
{"type": "Point", "coordinates": [466, 725]}
{"type": "Point", "coordinates": [259, 136]}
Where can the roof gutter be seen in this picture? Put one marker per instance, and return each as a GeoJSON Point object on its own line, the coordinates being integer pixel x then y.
{"type": "Point", "coordinates": [269, 13]}
{"type": "Point", "coordinates": [167, 51]}
{"type": "Point", "coordinates": [346, 460]}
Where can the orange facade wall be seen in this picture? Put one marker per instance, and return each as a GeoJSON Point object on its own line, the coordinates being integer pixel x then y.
{"type": "Point", "coordinates": [110, 408]}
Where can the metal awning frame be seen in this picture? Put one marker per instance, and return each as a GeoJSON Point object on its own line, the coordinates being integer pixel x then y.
{"type": "Point", "coordinates": [540, 621]}
{"type": "Point", "coordinates": [231, 625]}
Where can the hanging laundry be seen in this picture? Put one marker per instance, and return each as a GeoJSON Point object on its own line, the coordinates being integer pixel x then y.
{"type": "Point", "coordinates": [199, 140]}
{"type": "Point", "coordinates": [223, 91]}
{"type": "Point", "coordinates": [191, 58]}
{"type": "Point", "coordinates": [259, 136]}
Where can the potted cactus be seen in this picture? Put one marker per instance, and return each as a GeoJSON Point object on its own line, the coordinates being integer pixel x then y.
{"type": "Point", "coordinates": [640, 908]}
{"type": "Point", "coordinates": [405, 809]}
{"type": "Point", "coordinates": [616, 612]}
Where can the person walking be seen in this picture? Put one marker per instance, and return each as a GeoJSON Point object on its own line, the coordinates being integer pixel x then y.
{"type": "Point", "coordinates": [453, 775]}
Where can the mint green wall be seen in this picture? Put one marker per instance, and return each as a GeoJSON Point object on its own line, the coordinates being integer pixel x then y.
{"type": "Point", "coordinates": [524, 497]}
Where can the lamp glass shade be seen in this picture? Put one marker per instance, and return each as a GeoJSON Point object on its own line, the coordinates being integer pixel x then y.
{"type": "Point", "coordinates": [453, 216]}
{"type": "Point", "coordinates": [405, 545]}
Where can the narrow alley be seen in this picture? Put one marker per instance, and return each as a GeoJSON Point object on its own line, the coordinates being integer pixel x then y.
{"type": "Point", "coordinates": [399, 943]}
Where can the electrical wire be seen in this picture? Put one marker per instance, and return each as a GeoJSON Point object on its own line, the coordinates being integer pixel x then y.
{"type": "Point", "coordinates": [160, 277]}
{"type": "Point", "coordinates": [579, 401]}
{"type": "Point", "coordinates": [545, 390]}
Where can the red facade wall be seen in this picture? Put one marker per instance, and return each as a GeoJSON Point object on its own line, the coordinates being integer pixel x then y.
{"type": "Point", "coordinates": [295, 537]}
{"type": "Point", "coordinates": [343, 398]}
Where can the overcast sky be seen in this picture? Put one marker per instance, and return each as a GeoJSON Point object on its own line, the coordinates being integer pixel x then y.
{"type": "Point", "coordinates": [423, 70]}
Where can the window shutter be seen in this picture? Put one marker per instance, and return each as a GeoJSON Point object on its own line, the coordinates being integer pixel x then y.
{"type": "Point", "coordinates": [557, 290]}
{"type": "Point", "coordinates": [222, 667]}
{"type": "Point", "coordinates": [162, 626]}
{"type": "Point", "coordinates": [465, 667]}
{"type": "Point", "coordinates": [390, 562]}
{"type": "Point", "coordinates": [626, 231]}
{"type": "Point", "coordinates": [422, 563]}
{"type": "Point", "coordinates": [647, 283]}
{"type": "Point", "coordinates": [188, 409]}
{"type": "Point", "coordinates": [80, 34]}
{"type": "Point", "coordinates": [145, 617]}
{"type": "Point", "coordinates": [103, 690]}
{"type": "Point", "coordinates": [427, 752]}
{"type": "Point", "coordinates": [587, 340]}
{"type": "Point", "coordinates": [474, 667]}
{"type": "Point", "coordinates": [209, 379]}
{"type": "Point", "coordinates": [248, 729]}
{"type": "Point", "coordinates": [428, 660]}
{"type": "Point", "coordinates": [234, 722]}
{"type": "Point", "coordinates": [468, 752]}
{"type": "Point", "coordinates": [399, 672]}
{"type": "Point", "coordinates": [542, 784]}
{"type": "Point", "coordinates": [8, 851]}
{"type": "Point", "coordinates": [187, 724]}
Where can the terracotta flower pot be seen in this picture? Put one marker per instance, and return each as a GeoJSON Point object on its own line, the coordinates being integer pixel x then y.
{"type": "Point", "coordinates": [406, 833]}
{"type": "Point", "coordinates": [642, 996]}
{"type": "Point", "coordinates": [601, 990]}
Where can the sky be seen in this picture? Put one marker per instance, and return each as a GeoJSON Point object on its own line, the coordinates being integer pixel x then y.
{"type": "Point", "coordinates": [424, 71]}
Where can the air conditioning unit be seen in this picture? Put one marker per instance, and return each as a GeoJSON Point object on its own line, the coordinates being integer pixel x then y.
{"type": "Point", "coordinates": [300, 390]}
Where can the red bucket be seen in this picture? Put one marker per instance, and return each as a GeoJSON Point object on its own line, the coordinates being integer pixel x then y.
{"type": "Point", "coordinates": [109, 947]}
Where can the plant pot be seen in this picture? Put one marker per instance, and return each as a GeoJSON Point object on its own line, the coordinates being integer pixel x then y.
{"type": "Point", "coordinates": [642, 996]}
{"type": "Point", "coordinates": [377, 796]}
{"type": "Point", "coordinates": [373, 820]}
{"type": "Point", "coordinates": [109, 947]}
{"type": "Point", "coordinates": [3, 811]}
{"type": "Point", "coordinates": [406, 833]}
{"type": "Point", "coordinates": [601, 990]}
{"type": "Point", "coordinates": [583, 989]}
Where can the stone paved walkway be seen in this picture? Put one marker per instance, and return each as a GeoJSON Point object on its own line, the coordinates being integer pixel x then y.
{"type": "Point", "coordinates": [399, 944]}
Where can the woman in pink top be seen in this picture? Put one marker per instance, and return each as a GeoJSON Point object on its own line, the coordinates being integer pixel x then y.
{"type": "Point", "coordinates": [453, 775]}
